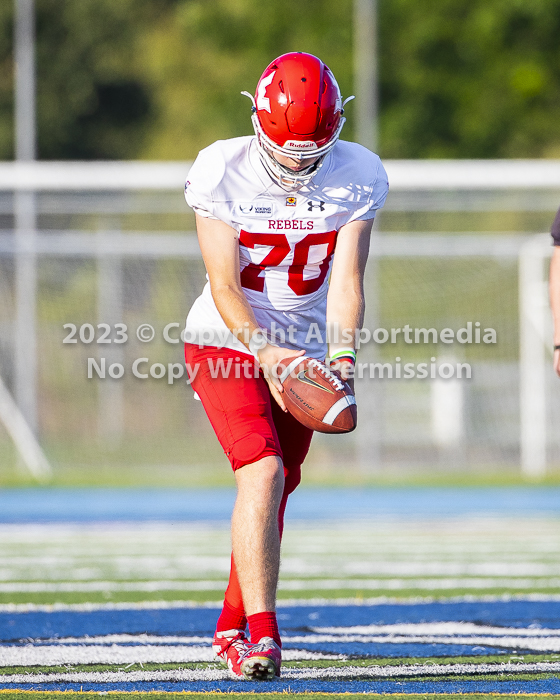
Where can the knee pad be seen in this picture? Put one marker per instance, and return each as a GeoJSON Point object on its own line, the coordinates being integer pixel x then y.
{"type": "Point", "coordinates": [251, 448]}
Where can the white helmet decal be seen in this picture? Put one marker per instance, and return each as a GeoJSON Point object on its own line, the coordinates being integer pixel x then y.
{"type": "Point", "coordinates": [338, 105]}
{"type": "Point", "coordinates": [262, 101]}
{"type": "Point", "coordinates": [298, 145]}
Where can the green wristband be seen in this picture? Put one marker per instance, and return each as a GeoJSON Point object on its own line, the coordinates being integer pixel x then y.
{"type": "Point", "coordinates": [346, 354]}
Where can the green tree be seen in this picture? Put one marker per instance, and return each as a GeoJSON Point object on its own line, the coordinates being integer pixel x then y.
{"type": "Point", "coordinates": [6, 81]}
{"type": "Point", "coordinates": [91, 100]}
{"type": "Point", "coordinates": [200, 57]}
{"type": "Point", "coordinates": [470, 78]}
{"type": "Point", "coordinates": [161, 78]}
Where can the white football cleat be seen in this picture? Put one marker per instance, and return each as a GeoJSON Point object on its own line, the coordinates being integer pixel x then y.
{"type": "Point", "coordinates": [262, 661]}
{"type": "Point", "coordinates": [230, 648]}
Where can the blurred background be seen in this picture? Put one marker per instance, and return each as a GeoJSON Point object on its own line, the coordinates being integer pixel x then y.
{"type": "Point", "coordinates": [110, 103]}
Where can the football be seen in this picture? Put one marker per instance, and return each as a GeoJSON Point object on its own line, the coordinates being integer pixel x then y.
{"type": "Point", "coordinates": [317, 396]}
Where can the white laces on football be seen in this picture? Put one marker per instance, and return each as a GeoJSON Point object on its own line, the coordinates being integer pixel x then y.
{"type": "Point", "coordinates": [332, 378]}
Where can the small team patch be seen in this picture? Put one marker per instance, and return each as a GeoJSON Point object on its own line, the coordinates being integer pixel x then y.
{"type": "Point", "coordinates": [291, 201]}
{"type": "Point", "coordinates": [255, 209]}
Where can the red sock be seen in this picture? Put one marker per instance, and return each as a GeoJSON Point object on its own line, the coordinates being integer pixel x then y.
{"type": "Point", "coordinates": [231, 619]}
{"type": "Point", "coordinates": [263, 624]}
{"type": "Point", "coordinates": [232, 616]}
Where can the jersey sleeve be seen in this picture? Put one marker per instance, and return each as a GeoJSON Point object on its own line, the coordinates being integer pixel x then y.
{"type": "Point", "coordinates": [203, 178]}
{"type": "Point", "coordinates": [379, 189]}
{"type": "Point", "coordinates": [555, 231]}
{"type": "Point", "coordinates": [372, 195]}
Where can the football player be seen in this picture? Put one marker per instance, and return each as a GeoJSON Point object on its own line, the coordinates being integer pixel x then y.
{"type": "Point", "coordinates": [555, 290]}
{"type": "Point", "coordinates": [277, 215]}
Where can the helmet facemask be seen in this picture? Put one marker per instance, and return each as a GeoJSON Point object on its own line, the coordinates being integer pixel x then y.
{"type": "Point", "coordinates": [288, 179]}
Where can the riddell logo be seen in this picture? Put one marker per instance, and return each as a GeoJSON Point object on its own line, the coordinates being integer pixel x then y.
{"type": "Point", "coordinates": [300, 144]}
{"type": "Point", "coordinates": [294, 224]}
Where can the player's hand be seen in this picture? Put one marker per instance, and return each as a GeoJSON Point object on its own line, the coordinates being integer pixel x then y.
{"type": "Point", "coordinates": [346, 370]}
{"type": "Point", "coordinates": [556, 362]}
{"type": "Point", "coordinates": [269, 357]}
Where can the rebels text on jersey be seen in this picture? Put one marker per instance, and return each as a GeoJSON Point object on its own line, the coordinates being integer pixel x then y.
{"type": "Point", "coordinates": [286, 240]}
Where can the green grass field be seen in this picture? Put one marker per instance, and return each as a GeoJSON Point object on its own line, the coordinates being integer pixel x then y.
{"type": "Point", "coordinates": [98, 563]}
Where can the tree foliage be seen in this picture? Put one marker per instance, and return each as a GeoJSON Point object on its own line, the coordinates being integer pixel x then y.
{"type": "Point", "coordinates": [162, 78]}
{"type": "Point", "coordinates": [470, 78]}
{"type": "Point", "coordinates": [200, 59]}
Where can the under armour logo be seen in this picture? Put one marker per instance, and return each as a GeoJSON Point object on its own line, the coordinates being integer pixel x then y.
{"type": "Point", "coordinates": [311, 206]}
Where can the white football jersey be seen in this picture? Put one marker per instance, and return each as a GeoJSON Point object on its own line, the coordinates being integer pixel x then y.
{"type": "Point", "coordinates": [286, 239]}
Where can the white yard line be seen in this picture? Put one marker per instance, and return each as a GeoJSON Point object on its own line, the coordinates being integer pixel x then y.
{"type": "Point", "coordinates": [453, 547]}
{"type": "Point", "coordinates": [499, 535]}
{"type": "Point", "coordinates": [145, 648]}
{"type": "Point", "coordinates": [115, 654]}
{"type": "Point", "coordinates": [141, 568]}
{"type": "Point", "coordinates": [451, 628]}
{"type": "Point", "coordinates": [93, 607]}
{"type": "Point", "coordinates": [282, 603]}
{"type": "Point", "coordinates": [284, 585]}
{"type": "Point", "coordinates": [442, 630]}
{"type": "Point", "coordinates": [109, 639]}
{"type": "Point", "coordinates": [512, 642]}
{"type": "Point", "coordinates": [415, 583]}
{"type": "Point", "coordinates": [334, 672]}
{"type": "Point", "coordinates": [95, 586]}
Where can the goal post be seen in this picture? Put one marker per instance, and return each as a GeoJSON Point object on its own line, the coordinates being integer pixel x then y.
{"type": "Point", "coordinates": [25, 441]}
{"type": "Point", "coordinates": [101, 203]}
{"type": "Point", "coordinates": [534, 337]}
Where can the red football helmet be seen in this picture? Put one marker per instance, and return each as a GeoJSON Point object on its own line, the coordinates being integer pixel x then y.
{"type": "Point", "coordinates": [297, 112]}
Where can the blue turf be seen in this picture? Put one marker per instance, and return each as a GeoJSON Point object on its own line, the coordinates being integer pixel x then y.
{"type": "Point", "coordinates": [388, 650]}
{"type": "Point", "coordinates": [104, 504]}
{"type": "Point", "coordinates": [201, 621]}
{"type": "Point", "coordinates": [551, 686]}
{"type": "Point", "coordinates": [512, 613]}
{"type": "Point", "coordinates": [299, 620]}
